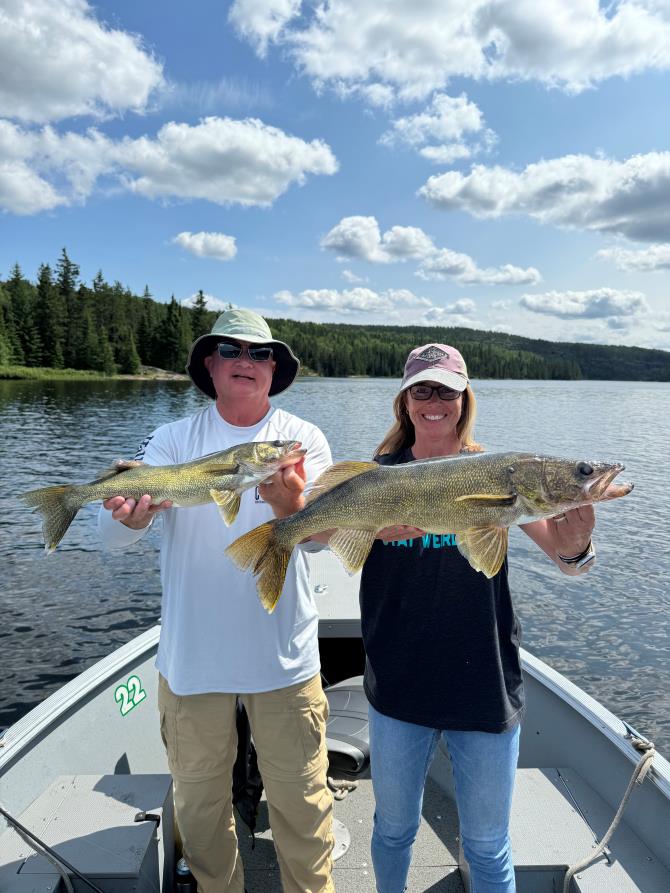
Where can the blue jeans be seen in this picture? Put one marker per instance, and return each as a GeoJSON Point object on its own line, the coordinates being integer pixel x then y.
{"type": "Point", "coordinates": [484, 765]}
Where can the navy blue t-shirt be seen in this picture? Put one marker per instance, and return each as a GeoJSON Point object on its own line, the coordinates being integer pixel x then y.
{"type": "Point", "coordinates": [441, 640]}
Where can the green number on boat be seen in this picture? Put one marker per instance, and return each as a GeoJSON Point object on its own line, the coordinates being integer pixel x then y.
{"type": "Point", "coordinates": [129, 694]}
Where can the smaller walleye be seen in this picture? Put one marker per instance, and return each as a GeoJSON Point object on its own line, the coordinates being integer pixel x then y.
{"type": "Point", "coordinates": [219, 477]}
{"type": "Point", "coordinates": [476, 497]}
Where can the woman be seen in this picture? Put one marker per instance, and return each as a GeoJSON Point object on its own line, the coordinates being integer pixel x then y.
{"type": "Point", "coordinates": [442, 646]}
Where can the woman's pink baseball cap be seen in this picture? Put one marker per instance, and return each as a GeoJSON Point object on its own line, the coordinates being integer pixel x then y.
{"type": "Point", "coordinates": [435, 362]}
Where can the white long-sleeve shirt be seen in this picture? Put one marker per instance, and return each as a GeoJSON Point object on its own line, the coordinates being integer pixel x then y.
{"type": "Point", "coordinates": [215, 634]}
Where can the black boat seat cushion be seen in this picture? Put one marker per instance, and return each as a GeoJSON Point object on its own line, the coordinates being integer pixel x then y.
{"type": "Point", "coordinates": [347, 732]}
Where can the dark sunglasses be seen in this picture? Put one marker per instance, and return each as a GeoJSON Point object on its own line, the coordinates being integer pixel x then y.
{"type": "Point", "coordinates": [425, 392]}
{"type": "Point", "coordinates": [259, 354]}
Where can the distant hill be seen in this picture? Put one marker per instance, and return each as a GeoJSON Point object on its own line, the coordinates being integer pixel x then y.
{"type": "Point", "coordinates": [341, 349]}
{"type": "Point", "coordinates": [60, 323]}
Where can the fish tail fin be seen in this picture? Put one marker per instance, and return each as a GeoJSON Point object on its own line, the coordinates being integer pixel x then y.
{"type": "Point", "coordinates": [58, 506]}
{"type": "Point", "coordinates": [260, 551]}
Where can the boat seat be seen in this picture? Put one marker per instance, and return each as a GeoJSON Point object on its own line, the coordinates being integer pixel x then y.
{"type": "Point", "coordinates": [557, 819]}
{"type": "Point", "coordinates": [90, 820]}
{"type": "Point", "coordinates": [347, 733]}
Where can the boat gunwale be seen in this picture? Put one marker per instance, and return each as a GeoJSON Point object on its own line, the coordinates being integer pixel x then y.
{"type": "Point", "coordinates": [600, 717]}
{"type": "Point", "coordinates": [48, 712]}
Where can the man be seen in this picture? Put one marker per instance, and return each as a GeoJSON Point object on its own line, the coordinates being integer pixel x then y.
{"type": "Point", "coordinates": [218, 642]}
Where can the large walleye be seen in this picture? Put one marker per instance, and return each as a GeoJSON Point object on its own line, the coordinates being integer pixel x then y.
{"type": "Point", "coordinates": [219, 477]}
{"type": "Point", "coordinates": [477, 497]}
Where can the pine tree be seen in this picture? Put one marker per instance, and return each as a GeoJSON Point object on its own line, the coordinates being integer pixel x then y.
{"type": "Point", "coordinates": [107, 365]}
{"type": "Point", "coordinates": [170, 337]}
{"type": "Point", "coordinates": [50, 318]}
{"type": "Point", "coordinates": [5, 345]}
{"type": "Point", "coordinates": [200, 316]}
{"type": "Point", "coordinates": [22, 302]}
{"type": "Point", "coordinates": [67, 274]}
{"type": "Point", "coordinates": [127, 357]}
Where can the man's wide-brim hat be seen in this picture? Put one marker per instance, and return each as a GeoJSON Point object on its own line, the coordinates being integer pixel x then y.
{"type": "Point", "coordinates": [241, 325]}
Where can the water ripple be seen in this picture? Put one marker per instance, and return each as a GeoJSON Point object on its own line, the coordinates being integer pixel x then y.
{"type": "Point", "coordinates": [608, 631]}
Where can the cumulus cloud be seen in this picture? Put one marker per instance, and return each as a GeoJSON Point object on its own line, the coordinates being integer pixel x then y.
{"type": "Point", "coordinates": [57, 60]}
{"type": "Point", "coordinates": [439, 132]}
{"type": "Point", "coordinates": [655, 257]}
{"type": "Point", "coordinates": [354, 300]}
{"type": "Point", "coordinates": [221, 160]}
{"type": "Point", "coordinates": [349, 45]}
{"type": "Point", "coordinates": [360, 237]}
{"type": "Point", "coordinates": [214, 245]}
{"type": "Point", "coordinates": [607, 304]}
{"type": "Point", "coordinates": [447, 316]}
{"type": "Point", "coordinates": [261, 21]}
{"type": "Point", "coordinates": [445, 263]}
{"type": "Point", "coordinates": [629, 197]}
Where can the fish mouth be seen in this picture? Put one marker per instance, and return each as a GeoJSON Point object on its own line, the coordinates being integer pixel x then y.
{"type": "Point", "coordinates": [293, 455]}
{"type": "Point", "coordinates": [601, 487]}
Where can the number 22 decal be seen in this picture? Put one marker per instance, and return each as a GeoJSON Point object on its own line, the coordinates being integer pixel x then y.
{"type": "Point", "coordinates": [129, 694]}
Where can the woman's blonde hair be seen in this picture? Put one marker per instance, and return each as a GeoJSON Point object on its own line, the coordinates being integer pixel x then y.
{"type": "Point", "coordinates": [401, 434]}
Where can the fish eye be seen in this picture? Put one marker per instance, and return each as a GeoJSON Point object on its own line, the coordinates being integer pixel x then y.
{"type": "Point", "coordinates": [585, 469]}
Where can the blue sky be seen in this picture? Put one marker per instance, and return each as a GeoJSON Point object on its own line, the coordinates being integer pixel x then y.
{"type": "Point", "coordinates": [499, 165]}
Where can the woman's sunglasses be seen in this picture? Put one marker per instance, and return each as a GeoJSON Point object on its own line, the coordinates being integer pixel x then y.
{"type": "Point", "coordinates": [425, 392]}
{"type": "Point", "coordinates": [259, 354]}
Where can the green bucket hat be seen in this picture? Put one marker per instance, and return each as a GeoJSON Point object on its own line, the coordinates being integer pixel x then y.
{"type": "Point", "coordinates": [243, 325]}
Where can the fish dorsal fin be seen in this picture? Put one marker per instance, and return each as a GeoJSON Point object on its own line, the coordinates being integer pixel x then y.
{"type": "Point", "coordinates": [484, 547]}
{"type": "Point", "coordinates": [335, 475]}
{"type": "Point", "coordinates": [352, 547]}
{"type": "Point", "coordinates": [228, 502]}
{"type": "Point", "coordinates": [488, 499]}
{"type": "Point", "coordinates": [118, 467]}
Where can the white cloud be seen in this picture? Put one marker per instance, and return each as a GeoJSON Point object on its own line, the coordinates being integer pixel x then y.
{"type": "Point", "coordinates": [352, 277]}
{"type": "Point", "coordinates": [603, 303]}
{"type": "Point", "coordinates": [630, 197]}
{"type": "Point", "coordinates": [439, 132]}
{"type": "Point", "coordinates": [207, 97]}
{"type": "Point", "coordinates": [261, 21]}
{"type": "Point", "coordinates": [360, 237]}
{"type": "Point", "coordinates": [352, 45]}
{"type": "Point", "coordinates": [57, 60]}
{"type": "Point", "coordinates": [446, 263]}
{"type": "Point", "coordinates": [447, 316]}
{"type": "Point", "coordinates": [22, 191]}
{"type": "Point", "coordinates": [221, 160]}
{"type": "Point", "coordinates": [354, 300]}
{"type": "Point", "coordinates": [655, 257]}
{"type": "Point", "coordinates": [214, 245]}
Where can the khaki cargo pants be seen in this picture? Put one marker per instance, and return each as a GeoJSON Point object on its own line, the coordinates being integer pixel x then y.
{"type": "Point", "coordinates": [288, 728]}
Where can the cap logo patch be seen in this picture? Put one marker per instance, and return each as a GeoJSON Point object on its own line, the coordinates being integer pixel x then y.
{"type": "Point", "coordinates": [432, 354]}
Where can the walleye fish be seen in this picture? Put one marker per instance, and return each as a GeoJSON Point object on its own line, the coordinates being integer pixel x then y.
{"type": "Point", "coordinates": [476, 497]}
{"type": "Point", "coordinates": [220, 477]}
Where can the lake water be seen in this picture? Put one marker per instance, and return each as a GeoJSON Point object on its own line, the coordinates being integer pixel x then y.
{"type": "Point", "coordinates": [608, 631]}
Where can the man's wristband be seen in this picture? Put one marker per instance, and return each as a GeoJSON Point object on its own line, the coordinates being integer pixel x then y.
{"type": "Point", "coordinates": [583, 558]}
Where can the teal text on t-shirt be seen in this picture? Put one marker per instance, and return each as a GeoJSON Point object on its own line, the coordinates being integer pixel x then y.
{"type": "Point", "coordinates": [429, 540]}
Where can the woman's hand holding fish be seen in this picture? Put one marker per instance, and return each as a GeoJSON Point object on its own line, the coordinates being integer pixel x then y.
{"type": "Point", "coordinates": [283, 492]}
{"type": "Point", "coordinates": [135, 514]}
{"type": "Point", "coordinates": [399, 532]}
{"type": "Point", "coordinates": [572, 530]}
{"type": "Point", "coordinates": [567, 534]}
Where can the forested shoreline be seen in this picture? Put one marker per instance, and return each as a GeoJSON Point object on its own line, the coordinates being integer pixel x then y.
{"type": "Point", "coordinates": [60, 323]}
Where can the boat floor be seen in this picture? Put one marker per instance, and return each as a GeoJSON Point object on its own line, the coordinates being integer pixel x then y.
{"type": "Point", "coordinates": [434, 863]}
